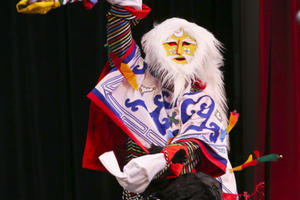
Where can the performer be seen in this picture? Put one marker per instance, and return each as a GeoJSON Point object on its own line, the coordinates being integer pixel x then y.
{"type": "Point", "coordinates": [174, 98]}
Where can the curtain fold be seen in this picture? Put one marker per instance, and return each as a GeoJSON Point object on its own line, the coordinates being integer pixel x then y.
{"type": "Point", "coordinates": [279, 97]}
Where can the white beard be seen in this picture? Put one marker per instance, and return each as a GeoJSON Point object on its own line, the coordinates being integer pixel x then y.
{"type": "Point", "coordinates": [176, 82]}
{"type": "Point", "coordinates": [205, 64]}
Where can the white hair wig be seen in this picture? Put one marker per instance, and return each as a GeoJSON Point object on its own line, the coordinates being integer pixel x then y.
{"type": "Point", "coordinates": [204, 66]}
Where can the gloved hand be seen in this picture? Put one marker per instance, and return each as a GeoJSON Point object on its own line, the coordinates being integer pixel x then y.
{"type": "Point", "coordinates": [136, 4]}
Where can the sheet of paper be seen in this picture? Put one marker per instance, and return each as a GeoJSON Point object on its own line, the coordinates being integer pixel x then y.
{"type": "Point", "coordinates": [110, 162]}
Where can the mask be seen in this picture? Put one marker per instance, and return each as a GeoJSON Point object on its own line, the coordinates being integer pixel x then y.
{"type": "Point", "coordinates": [180, 47]}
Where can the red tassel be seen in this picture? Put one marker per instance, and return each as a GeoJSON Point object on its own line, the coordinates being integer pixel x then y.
{"type": "Point", "coordinates": [258, 192]}
{"type": "Point", "coordinates": [199, 84]}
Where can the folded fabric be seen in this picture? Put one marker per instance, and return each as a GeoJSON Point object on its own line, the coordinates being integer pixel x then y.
{"type": "Point", "coordinates": [36, 7]}
{"type": "Point", "coordinates": [44, 6]}
{"type": "Point", "coordinates": [137, 173]}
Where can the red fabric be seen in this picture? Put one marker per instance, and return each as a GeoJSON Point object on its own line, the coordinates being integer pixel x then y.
{"type": "Point", "coordinates": [115, 120]}
{"type": "Point", "coordinates": [279, 97]}
{"type": "Point", "coordinates": [171, 150]}
{"type": "Point", "coordinates": [97, 142]}
{"type": "Point", "coordinates": [139, 13]}
{"type": "Point", "coordinates": [106, 132]}
{"type": "Point", "coordinates": [209, 165]}
{"type": "Point", "coordinates": [87, 4]}
{"type": "Point", "coordinates": [116, 60]}
{"type": "Point", "coordinates": [228, 196]}
{"type": "Point", "coordinates": [249, 164]}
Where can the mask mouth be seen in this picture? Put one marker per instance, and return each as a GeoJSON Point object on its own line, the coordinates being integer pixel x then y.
{"type": "Point", "coordinates": [180, 59]}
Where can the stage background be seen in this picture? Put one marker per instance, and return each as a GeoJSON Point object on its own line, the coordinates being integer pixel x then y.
{"type": "Point", "coordinates": [49, 63]}
{"type": "Point", "coordinates": [279, 97]}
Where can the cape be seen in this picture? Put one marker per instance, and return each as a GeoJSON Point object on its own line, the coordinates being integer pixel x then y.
{"type": "Point", "coordinates": [146, 116]}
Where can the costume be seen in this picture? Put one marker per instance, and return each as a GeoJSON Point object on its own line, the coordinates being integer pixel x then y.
{"type": "Point", "coordinates": [163, 117]}
{"type": "Point", "coordinates": [174, 100]}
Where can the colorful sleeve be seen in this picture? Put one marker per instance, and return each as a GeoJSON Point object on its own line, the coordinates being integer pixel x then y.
{"type": "Point", "coordinates": [119, 37]}
{"type": "Point", "coordinates": [123, 52]}
{"type": "Point", "coordinates": [197, 159]}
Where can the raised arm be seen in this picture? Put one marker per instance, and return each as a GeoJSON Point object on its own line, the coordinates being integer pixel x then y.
{"type": "Point", "coordinates": [119, 36]}
{"type": "Point", "coordinates": [123, 53]}
{"type": "Point", "coordinates": [122, 16]}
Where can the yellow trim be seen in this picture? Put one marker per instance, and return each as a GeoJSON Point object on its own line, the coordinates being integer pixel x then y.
{"type": "Point", "coordinates": [129, 75]}
{"type": "Point", "coordinates": [36, 8]}
{"type": "Point", "coordinates": [250, 158]}
{"type": "Point", "coordinates": [238, 168]}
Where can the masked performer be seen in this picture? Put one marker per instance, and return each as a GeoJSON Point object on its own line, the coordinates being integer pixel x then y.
{"type": "Point", "coordinates": [173, 99]}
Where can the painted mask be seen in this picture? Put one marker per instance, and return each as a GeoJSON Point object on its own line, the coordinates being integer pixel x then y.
{"type": "Point", "coordinates": [180, 47]}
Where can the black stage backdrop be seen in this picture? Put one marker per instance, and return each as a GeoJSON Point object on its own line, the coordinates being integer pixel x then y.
{"type": "Point", "coordinates": [48, 65]}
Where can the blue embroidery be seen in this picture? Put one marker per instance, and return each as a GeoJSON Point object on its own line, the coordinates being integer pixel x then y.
{"type": "Point", "coordinates": [161, 126]}
{"type": "Point", "coordinates": [175, 132]}
{"type": "Point", "coordinates": [166, 104]}
{"type": "Point", "coordinates": [134, 105]}
{"type": "Point", "coordinates": [136, 69]}
{"type": "Point", "coordinates": [205, 115]}
{"type": "Point", "coordinates": [223, 134]}
{"type": "Point", "coordinates": [170, 134]}
{"type": "Point", "coordinates": [185, 117]}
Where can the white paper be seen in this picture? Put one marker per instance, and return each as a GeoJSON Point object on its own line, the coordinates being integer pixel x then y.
{"type": "Point", "coordinates": [137, 173]}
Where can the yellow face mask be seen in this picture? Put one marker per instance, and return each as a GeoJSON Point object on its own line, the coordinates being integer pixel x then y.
{"type": "Point", "coordinates": [180, 47]}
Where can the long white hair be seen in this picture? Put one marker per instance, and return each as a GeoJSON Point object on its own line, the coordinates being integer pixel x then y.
{"type": "Point", "coordinates": [204, 66]}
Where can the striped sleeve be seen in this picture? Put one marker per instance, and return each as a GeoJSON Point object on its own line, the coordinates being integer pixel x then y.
{"type": "Point", "coordinates": [198, 159]}
{"type": "Point", "coordinates": [119, 37]}
{"type": "Point", "coordinates": [193, 158]}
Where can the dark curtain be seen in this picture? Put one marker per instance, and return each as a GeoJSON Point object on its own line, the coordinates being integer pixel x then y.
{"type": "Point", "coordinates": [48, 64]}
{"type": "Point", "coordinates": [279, 110]}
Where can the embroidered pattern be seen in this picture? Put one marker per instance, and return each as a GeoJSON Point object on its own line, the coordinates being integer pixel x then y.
{"type": "Point", "coordinates": [172, 119]}
{"type": "Point", "coordinates": [205, 110]}
{"type": "Point", "coordinates": [163, 124]}
{"type": "Point", "coordinates": [144, 89]}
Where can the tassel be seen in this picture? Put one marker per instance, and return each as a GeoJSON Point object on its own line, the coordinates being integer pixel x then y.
{"type": "Point", "coordinates": [234, 116]}
{"type": "Point", "coordinates": [250, 162]}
